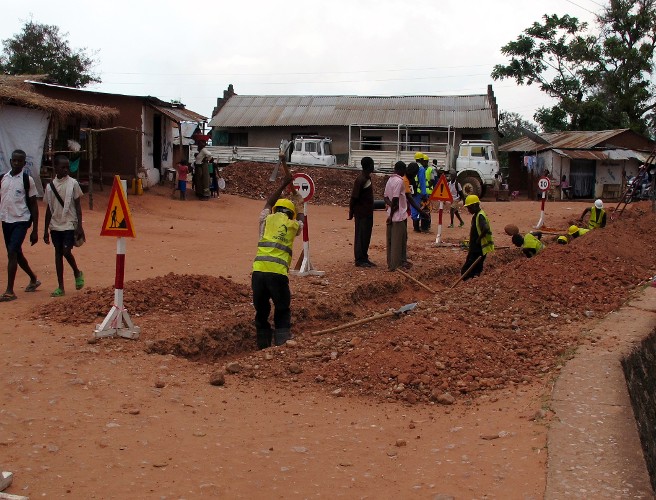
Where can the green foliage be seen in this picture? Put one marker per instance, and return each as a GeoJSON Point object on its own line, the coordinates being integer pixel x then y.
{"type": "Point", "coordinates": [601, 80]}
{"type": "Point", "coordinates": [511, 125]}
{"type": "Point", "coordinates": [42, 49]}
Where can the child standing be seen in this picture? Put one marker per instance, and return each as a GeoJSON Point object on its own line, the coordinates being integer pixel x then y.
{"type": "Point", "coordinates": [64, 219]}
{"type": "Point", "coordinates": [183, 171]}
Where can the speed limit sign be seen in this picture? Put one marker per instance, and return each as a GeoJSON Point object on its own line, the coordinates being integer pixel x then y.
{"type": "Point", "coordinates": [544, 184]}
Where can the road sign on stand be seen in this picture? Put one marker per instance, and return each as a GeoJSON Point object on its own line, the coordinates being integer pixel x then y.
{"type": "Point", "coordinates": [118, 219]}
{"type": "Point", "coordinates": [441, 191]}
{"type": "Point", "coordinates": [544, 183]}
{"type": "Point", "coordinates": [304, 185]}
{"type": "Point", "coordinates": [118, 222]}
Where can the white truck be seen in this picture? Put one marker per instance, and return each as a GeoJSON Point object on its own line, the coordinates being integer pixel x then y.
{"type": "Point", "coordinates": [311, 151]}
{"type": "Point", "coordinates": [476, 166]}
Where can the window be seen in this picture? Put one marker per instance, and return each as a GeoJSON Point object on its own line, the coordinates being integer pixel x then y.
{"type": "Point", "coordinates": [372, 142]}
{"type": "Point", "coordinates": [326, 149]}
{"type": "Point", "coordinates": [478, 151]}
{"type": "Point", "coordinates": [298, 146]}
{"type": "Point", "coordinates": [310, 147]}
{"type": "Point", "coordinates": [464, 151]}
{"type": "Point", "coordinates": [238, 139]}
{"type": "Point", "coordinates": [418, 142]}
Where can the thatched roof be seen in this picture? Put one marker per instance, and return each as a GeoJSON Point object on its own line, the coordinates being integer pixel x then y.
{"type": "Point", "coordinates": [17, 91]}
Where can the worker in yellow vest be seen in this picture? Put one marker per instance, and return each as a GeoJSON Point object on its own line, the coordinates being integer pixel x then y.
{"type": "Point", "coordinates": [574, 231]}
{"type": "Point", "coordinates": [597, 215]}
{"type": "Point", "coordinates": [280, 223]}
{"type": "Point", "coordinates": [480, 239]}
{"type": "Point", "coordinates": [530, 243]}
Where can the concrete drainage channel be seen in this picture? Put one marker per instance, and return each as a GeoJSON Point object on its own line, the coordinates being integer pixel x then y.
{"type": "Point", "coordinates": [640, 373]}
{"type": "Point", "coordinates": [594, 441]}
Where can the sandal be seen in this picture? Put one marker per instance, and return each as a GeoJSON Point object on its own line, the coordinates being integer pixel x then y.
{"type": "Point", "coordinates": [33, 286]}
{"type": "Point", "coordinates": [8, 297]}
{"type": "Point", "coordinates": [58, 293]}
{"type": "Point", "coordinates": [79, 281]}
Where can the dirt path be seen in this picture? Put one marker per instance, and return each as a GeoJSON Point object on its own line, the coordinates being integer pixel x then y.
{"type": "Point", "coordinates": [109, 420]}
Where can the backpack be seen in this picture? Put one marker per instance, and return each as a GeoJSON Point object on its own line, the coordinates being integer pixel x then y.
{"type": "Point", "coordinates": [26, 188]}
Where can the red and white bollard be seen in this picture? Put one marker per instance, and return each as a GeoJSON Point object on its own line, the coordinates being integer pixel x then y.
{"type": "Point", "coordinates": [113, 324]}
{"type": "Point", "coordinates": [307, 269]}
{"type": "Point", "coordinates": [438, 238]}
{"type": "Point", "coordinates": [541, 221]}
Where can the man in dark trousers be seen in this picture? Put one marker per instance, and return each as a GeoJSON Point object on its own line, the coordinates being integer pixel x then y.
{"type": "Point", "coordinates": [279, 225]}
{"type": "Point", "coordinates": [18, 211]}
{"type": "Point", "coordinates": [480, 239]}
{"type": "Point", "coordinates": [361, 207]}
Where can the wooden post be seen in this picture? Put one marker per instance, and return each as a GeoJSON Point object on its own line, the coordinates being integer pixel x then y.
{"type": "Point", "coordinates": [90, 148]}
{"type": "Point", "coordinates": [466, 273]}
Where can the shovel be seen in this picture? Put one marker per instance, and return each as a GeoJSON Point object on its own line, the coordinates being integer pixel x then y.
{"type": "Point", "coordinates": [406, 308]}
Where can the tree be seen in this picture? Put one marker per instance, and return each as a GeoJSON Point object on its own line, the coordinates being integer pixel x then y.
{"type": "Point", "coordinates": [511, 127]}
{"type": "Point", "coordinates": [42, 49]}
{"type": "Point", "coordinates": [600, 80]}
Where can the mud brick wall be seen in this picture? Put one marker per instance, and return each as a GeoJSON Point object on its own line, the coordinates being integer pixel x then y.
{"type": "Point", "coordinates": [640, 373]}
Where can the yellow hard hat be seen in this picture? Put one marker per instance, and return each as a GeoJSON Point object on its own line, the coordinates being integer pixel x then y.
{"type": "Point", "coordinates": [286, 204]}
{"type": "Point", "coordinates": [471, 199]}
{"type": "Point", "coordinates": [426, 157]}
{"type": "Point", "coordinates": [572, 230]}
{"type": "Point", "coordinates": [419, 156]}
{"type": "Point", "coordinates": [562, 239]}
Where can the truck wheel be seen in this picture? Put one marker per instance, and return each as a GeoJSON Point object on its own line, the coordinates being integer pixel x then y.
{"type": "Point", "coordinates": [471, 185]}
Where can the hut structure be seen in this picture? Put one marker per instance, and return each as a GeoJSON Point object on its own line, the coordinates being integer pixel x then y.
{"type": "Point", "coordinates": [43, 126]}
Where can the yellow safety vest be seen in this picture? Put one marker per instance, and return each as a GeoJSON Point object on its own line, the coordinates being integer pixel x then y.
{"type": "Point", "coordinates": [581, 232]}
{"type": "Point", "coordinates": [429, 186]}
{"type": "Point", "coordinates": [486, 242]}
{"type": "Point", "coordinates": [531, 242]}
{"type": "Point", "coordinates": [596, 214]}
{"type": "Point", "coordinates": [274, 251]}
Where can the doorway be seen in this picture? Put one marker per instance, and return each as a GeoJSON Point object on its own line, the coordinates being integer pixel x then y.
{"type": "Point", "coordinates": [582, 178]}
{"type": "Point", "coordinates": [157, 142]}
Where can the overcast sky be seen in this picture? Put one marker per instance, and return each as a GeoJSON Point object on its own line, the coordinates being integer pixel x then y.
{"type": "Point", "coordinates": [191, 51]}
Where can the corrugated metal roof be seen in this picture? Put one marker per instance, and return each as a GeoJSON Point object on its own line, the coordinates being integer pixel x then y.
{"type": "Point", "coordinates": [583, 154]}
{"type": "Point", "coordinates": [571, 139]}
{"type": "Point", "coordinates": [472, 111]}
{"type": "Point", "coordinates": [179, 114]}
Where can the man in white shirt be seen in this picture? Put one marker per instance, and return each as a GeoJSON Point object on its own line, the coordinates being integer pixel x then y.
{"type": "Point", "coordinates": [18, 211]}
{"type": "Point", "coordinates": [64, 219]}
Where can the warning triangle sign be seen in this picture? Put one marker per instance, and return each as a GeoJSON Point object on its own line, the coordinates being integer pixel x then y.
{"type": "Point", "coordinates": [441, 191]}
{"type": "Point", "coordinates": [118, 220]}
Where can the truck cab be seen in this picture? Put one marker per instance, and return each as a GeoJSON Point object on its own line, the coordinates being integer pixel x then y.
{"type": "Point", "coordinates": [476, 166]}
{"type": "Point", "coordinates": [312, 150]}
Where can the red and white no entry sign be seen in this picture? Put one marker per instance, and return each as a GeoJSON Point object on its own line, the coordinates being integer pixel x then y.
{"type": "Point", "coordinates": [304, 185]}
{"type": "Point", "coordinates": [544, 184]}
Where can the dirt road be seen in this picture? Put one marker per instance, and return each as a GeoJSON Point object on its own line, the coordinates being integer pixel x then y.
{"type": "Point", "coordinates": [139, 419]}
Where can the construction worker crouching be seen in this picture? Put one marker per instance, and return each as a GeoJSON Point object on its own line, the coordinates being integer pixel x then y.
{"type": "Point", "coordinates": [270, 282]}
{"type": "Point", "coordinates": [480, 239]}
{"type": "Point", "coordinates": [562, 239]}
{"type": "Point", "coordinates": [575, 231]}
{"type": "Point", "coordinates": [597, 215]}
{"type": "Point", "coordinates": [530, 243]}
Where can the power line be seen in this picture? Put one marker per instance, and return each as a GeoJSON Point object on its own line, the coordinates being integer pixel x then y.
{"type": "Point", "coordinates": [581, 7]}
{"type": "Point", "coordinates": [300, 73]}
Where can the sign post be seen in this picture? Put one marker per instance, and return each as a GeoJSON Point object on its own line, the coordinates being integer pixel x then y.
{"type": "Point", "coordinates": [118, 223]}
{"type": "Point", "coordinates": [441, 193]}
{"type": "Point", "coordinates": [543, 185]}
{"type": "Point", "coordinates": [304, 186]}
